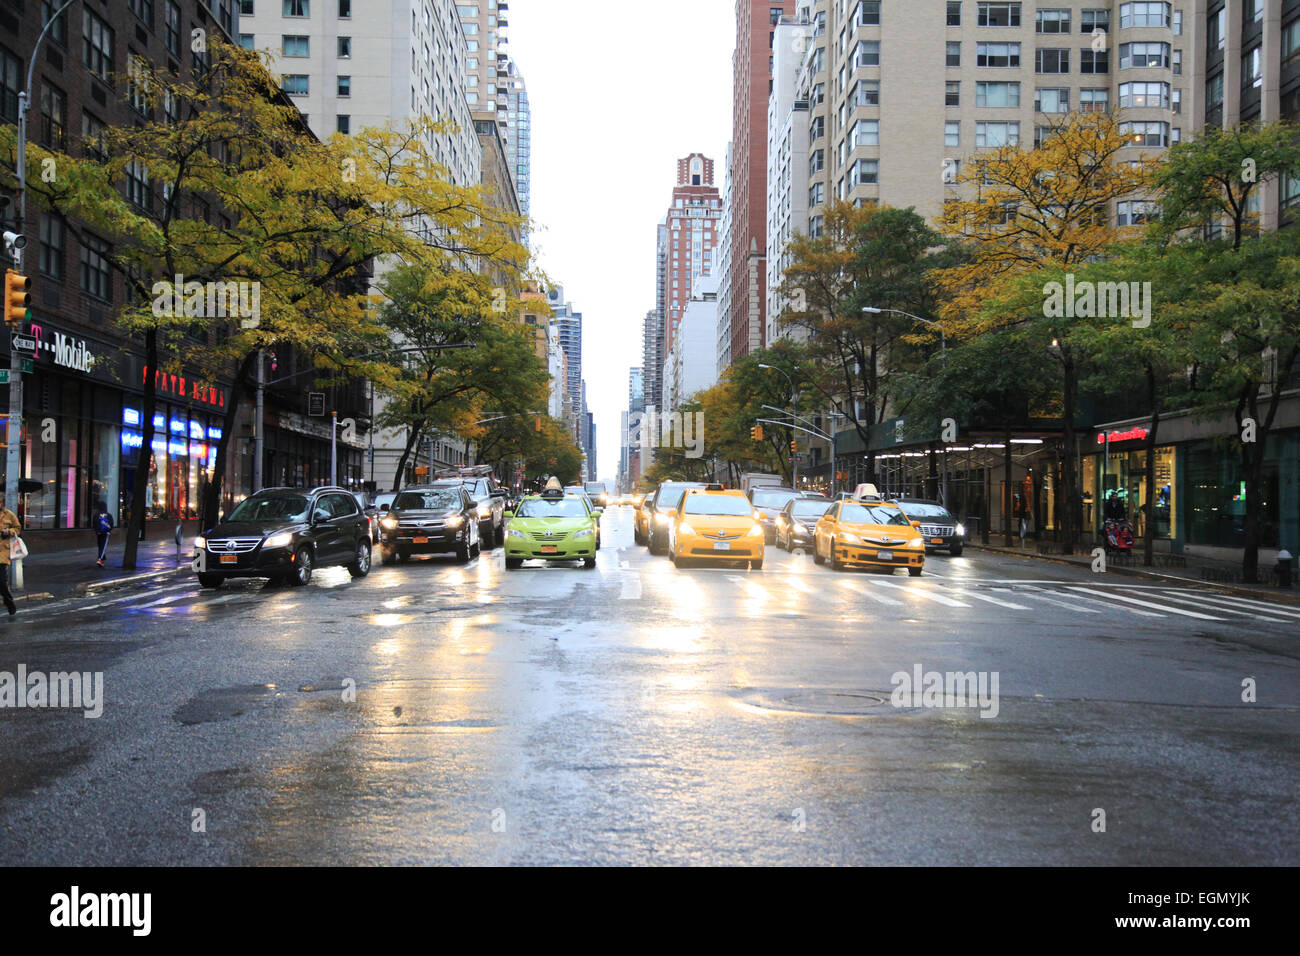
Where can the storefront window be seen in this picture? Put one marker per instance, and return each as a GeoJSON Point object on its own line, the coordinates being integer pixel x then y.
{"type": "Point", "coordinates": [1125, 477]}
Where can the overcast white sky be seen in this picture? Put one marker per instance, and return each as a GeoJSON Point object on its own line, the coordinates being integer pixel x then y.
{"type": "Point", "coordinates": [619, 92]}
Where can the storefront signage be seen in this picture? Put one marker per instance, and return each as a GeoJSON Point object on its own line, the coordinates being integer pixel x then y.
{"type": "Point", "coordinates": [172, 384]}
{"type": "Point", "coordinates": [1133, 434]}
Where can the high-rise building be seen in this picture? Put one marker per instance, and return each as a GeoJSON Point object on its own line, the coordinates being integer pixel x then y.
{"type": "Point", "coordinates": [635, 390]}
{"type": "Point", "coordinates": [652, 359]}
{"type": "Point", "coordinates": [723, 351]}
{"type": "Point", "coordinates": [692, 225]}
{"type": "Point", "coordinates": [493, 84]}
{"type": "Point", "coordinates": [350, 65]}
{"type": "Point", "coordinates": [753, 59]}
{"type": "Point", "coordinates": [567, 323]}
{"type": "Point", "coordinates": [689, 367]}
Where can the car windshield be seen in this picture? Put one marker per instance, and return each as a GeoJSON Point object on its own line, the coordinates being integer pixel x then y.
{"type": "Point", "coordinates": [810, 509]}
{"type": "Point", "coordinates": [863, 514]}
{"type": "Point", "coordinates": [717, 505]}
{"type": "Point", "coordinates": [668, 497]}
{"type": "Point", "coordinates": [915, 510]}
{"type": "Point", "coordinates": [552, 508]}
{"type": "Point", "coordinates": [271, 508]}
{"type": "Point", "coordinates": [774, 498]}
{"type": "Point", "coordinates": [594, 488]}
{"type": "Point", "coordinates": [426, 501]}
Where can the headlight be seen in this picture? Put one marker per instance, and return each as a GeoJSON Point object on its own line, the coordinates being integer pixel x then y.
{"type": "Point", "coordinates": [454, 521]}
{"type": "Point", "coordinates": [917, 543]}
{"type": "Point", "coordinates": [756, 530]}
{"type": "Point", "coordinates": [685, 528]}
{"type": "Point", "coordinates": [485, 511]}
{"type": "Point", "coordinates": [281, 540]}
{"type": "Point", "coordinates": [584, 534]}
{"type": "Point", "coordinates": [961, 531]}
{"type": "Point", "coordinates": [388, 524]}
{"type": "Point", "coordinates": [200, 541]}
{"type": "Point", "coordinates": [514, 533]}
{"type": "Point", "coordinates": [848, 538]}
{"type": "Point", "coordinates": [661, 517]}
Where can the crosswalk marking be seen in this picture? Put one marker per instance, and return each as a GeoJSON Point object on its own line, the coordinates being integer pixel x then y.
{"type": "Point", "coordinates": [856, 587]}
{"type": "Point", "coordinates": [631, 588]}
{"type": "Point", "coordinates": [993, 600]}
{"type": "Point", "coordinates": [1160, 607]}
{"type": "Point", "coordinates": [1038, 594]}
{"type": "Point", "coordinates": [922, 592]}
{"type": "Point", "coordinates": [1262, 607]}
{"type": "Point", "coordinates": [1184, 597]}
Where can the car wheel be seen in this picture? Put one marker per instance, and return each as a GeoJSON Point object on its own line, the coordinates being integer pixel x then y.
{"type": "Point", "coordinates": [915, 572]}
{"type": "Point", "coordinates": [487, 540]}
{"type": "Point", "coordinates": [756, 565]}
{"type": "Point", "coordinates": [836, 564]}
{"type": "Point", "coordinates": [656, 545]}
{"type": "Point", "coordinates": [514, 564]}
{"type": "Point", "coordinates": [588, 563]}
{"type": "Point", "coordinates": [387, 556]}
{"type": "Point", "coordinates": [361, 566]}
{"type": "Point", "coordinates": [403, 556]}
{"type": "Point", "coordinates": [636, 536]}
{"type": "Point", "coordinates": [817, 554]}
{"type": "Point", "coordinates": [462, 554]}
{"type": "Point", "coordinates": [475, 549]}
{"type": "Point", "coordinates": [303, 563]}
{"type": "Point", "coordinates": [213, 581]}
{"type": "Point", "coordinates": [955, 550]}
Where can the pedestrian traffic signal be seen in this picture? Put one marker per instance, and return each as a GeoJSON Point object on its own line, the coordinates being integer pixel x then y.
{"type": "Point", "coordinates": [18, 298]}
{"type": "Point", "coordinates": [756, 433]}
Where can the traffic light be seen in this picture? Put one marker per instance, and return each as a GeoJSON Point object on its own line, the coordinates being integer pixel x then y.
{"type": "Point", "coordinates": [18, 298]}
{"type": "Point", "coordinates": [794, 447]}
{"type": "Point", "coordinates": [756, 433]}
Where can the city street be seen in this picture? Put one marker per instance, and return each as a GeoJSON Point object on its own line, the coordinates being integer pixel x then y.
{"type": "Point", "coordinates": [641, 714]}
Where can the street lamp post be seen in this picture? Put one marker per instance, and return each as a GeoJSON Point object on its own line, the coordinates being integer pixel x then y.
{"type": "Point", "coordinates": [794, 402]}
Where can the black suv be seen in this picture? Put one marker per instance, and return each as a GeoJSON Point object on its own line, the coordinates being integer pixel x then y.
{"type": "Point", "coordinates": [933, 520]}
{"type": "Point", "coordinates": [429, 519]}
{"type": "Point", "coordinates": [490, 498]}
{"type": "Point", "coordinates": [284, 534]}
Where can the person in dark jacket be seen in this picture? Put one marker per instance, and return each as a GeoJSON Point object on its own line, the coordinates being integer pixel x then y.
{"type": "Point", "coordinates": [10, 528]}
{"type": "Point", "coordinates": [103, 525]}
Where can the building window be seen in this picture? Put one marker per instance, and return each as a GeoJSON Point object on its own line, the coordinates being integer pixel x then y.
{"type": "Point", "coordinates": [1093, 19]}
{"type": "Point", "coordinates": [1145, 134]}
{"type": "Point", "coordinates": [865, 133]}
{"type": "Point", "coordinates": [1176, 99]}
{"type": "Point", "coordinates": [52, 246]}
{"type": "Point", "coordinates": [1143, 15]}
{"type": "Point", "coordinates": [954, 13]}
{"type": "Point", "coordinates": [92, 137]}
{"type": "Point", "coordinates": [1052, 21]}
{"type": "Point", "coordinates": [59, 32]}
{"type": "Point", "coordinates": [817, 161]}
{"type": "Point", "coordinates": [297, 8]}
{"type": "Point", "coordinates": [1152, 95]}
{"type": "Point", "coordinates": [295, 46]}
{"type": "Point", "coordinates": [1134, 212]}
{"type": "Point", "coordinates": [952, 133]}
{"type": "Point", "coordinates": [1252, 74]}
{"type": "Point", "coordinates": [297, 84]}
{"type": "Point", "coordinates": [54, 118]}
{"type": "Point", "coordinates": [1094, 101]}
{"type": "Point", "coordinates": [816, 194]}
{"type": "Point", "coordinates": [246, 40]}
{"type": "Point", "coordinates": [96, 45]}
{"type": "Point", "coordinates": [866, 93]}
{"type": "Point", "coordinates": [96, 276]}
{"type": "Point", "coordinates": [137, 83]}
{"type": "Point", "coordinates": [954, 53]}
{"type": "Point", "coordinates": [1215, 30]}
{"type": "Point", "coordinates": [345, 48]}
{"type": "Point", "coordinates": [345, 9]}
{"type": "Point", "coordinates": [952, 93]}
{"type": "Point", "coordinates": [865, 172]}
{"type": "Point", "coordinates": [137, 185]}
{"type": "Point", "coordinates": [345, 86]}
{"type": "Point", "coordinates": [245, 8]}
{"type": "Point", "coordinates": [1178, 63]}
{"type": "Point", "coordinates": [817, 129]}
{"type": "Point", "coordinates": [1214, 91]}
{"type": "Point", "coordinates": [1094, 61]}
{"type": "Point", "coordinates": [1143, 55]}
{"type": "Point", "coordinates": [1055, 99]}
{"type": "Point", "coordinates": [344, 123]}
{"type": "Point", "coordinates": [866, 53]}
{"type": "Point", "coordinates": [1051, 61]}
{"type": "Point", "coordinates": [997, 94]}
{"type": "Point", "coordinates": [866, 14]}
{"type": "Point", "coordinates": [1290, 192]}
{"type": "Point", "coordinates": [997, 14]}
{"type": "Point", "coordinates": [997, 134]}
{"type": "Point", "coordinates": [172, 29]}
{"type": "Point", "coordinates": [997, 54]}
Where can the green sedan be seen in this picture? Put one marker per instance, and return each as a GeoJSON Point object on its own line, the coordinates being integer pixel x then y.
{"type": "Point", "coordinates": [553, 527]}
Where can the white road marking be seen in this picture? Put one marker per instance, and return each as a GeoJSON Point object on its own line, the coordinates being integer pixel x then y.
{"type": "Point", "coordinates": [631, 588]}
{"type": "Point", "coordinates": [166, 600]}
{"type": "Point", "coordinates": [1164, 608]}
{"type": "Point", "coordinates": [856, 586]}
{"type": "Point", "coordinates": [923, 592]}
{"type": "Point", "coordinates": [1039, 595]}
{"type": "Point", "coordinates": [1246, 605]}
{"type": "Point", "coordinates": [993, 600]}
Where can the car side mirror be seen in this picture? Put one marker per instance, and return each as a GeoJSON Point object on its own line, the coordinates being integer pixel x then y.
{"type": "Point", "coordinates": [598, 511]}
{"type": "Point", "coordinates": [319, 516]}
{"type": "Point", "coordinates": [508, 514]}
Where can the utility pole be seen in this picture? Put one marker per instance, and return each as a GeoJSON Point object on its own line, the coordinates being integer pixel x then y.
{"type": "Point", "coordinates": [334, 456]}
{"type": "Point", "coordinates": [259, 439]}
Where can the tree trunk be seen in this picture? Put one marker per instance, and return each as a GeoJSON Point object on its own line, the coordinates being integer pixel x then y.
{"type": "Point", "coordinates": [1009, 495]}
{"type": "Point", "coordinates": [1149, 535]}
{"type": "Point", "coordinates": [411, 440]}
{"type": "Point", "coordinates": [1068, 488]}
{"type": "Point", "coordinates": [143, 457]}
{"type": "Point", "coordinates": [210, 509]}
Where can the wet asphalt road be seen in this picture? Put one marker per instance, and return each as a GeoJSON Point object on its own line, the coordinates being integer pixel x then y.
{"type": "Point", "coordinates": [637, 714]}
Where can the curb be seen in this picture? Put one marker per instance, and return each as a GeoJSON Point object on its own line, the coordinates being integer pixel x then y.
{"type": "Point", "coordinates": [33, 596]}
{"type": "Point", "coordinates": [1282, 596]}
{"type": "Point", "coordinates": [114, 583]}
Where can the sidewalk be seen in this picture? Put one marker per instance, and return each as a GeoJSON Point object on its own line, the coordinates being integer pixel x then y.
{"type": "Point", "coordinates": [1168, 568]}
{"type": "Point", "coordinates": [72, 572]}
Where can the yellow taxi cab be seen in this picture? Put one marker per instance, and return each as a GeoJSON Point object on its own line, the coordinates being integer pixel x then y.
{"type": "Point", "coordinates": [711, 523]}
{"type": "Point", "coordinates": [870, 534]}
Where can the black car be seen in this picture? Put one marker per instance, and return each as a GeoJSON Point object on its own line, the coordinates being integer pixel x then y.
{"type": "Point", "coordinates": [490, 499]}
{"type": "Point", "coordinates": [284, 534]}
{"type": "Point", "coordinates": [941, 530]}
{"type": "Point", "coordinates": [795, 522]}
{"type": "Point", "coordinates": [658, 513]}
{"type": "Point", "coordinates": [768, 502]}
{"type": "Point", "coordinates": [430, 519]}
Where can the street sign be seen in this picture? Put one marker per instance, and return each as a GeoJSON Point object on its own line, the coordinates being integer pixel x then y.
{"type": "Point", "coordinates": [315, 403]}
{"type": "Point", "coordinates": [27, 365]}
{"type": "Point", "coordinates": [4, 376]}
{"type": "Point", "coordinates": [23, 343]}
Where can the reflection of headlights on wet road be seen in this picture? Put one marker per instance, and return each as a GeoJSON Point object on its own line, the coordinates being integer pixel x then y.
{"type": "Point", "coordinates": [200, 542]}
{"type": "Point", "coordinates": [281, 540]}
{"type": "Point", "coordinates": [388, 524]}
{"type": "Point", "coordinates": [454, 521]}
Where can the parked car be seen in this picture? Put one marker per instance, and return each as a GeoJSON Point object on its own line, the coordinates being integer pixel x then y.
{"type": "Point", "coordinates": [430, 519]}
{"type": "Point", "coordinates": [941, 530]}
{"type": "Point", "coordinates": [284, 534]}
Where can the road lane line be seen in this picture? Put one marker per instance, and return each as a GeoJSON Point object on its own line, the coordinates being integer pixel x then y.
{"type": "Point", "coordinates": [857, 588]}
{"type": "Point", "coordinates": [166, 600]}
{"type": "Point", "coordinates": [631, 588]}
{"type": "Point", "coordinates": [1164, 608]}
{"type": "Point", "coordinates": [922, 592]}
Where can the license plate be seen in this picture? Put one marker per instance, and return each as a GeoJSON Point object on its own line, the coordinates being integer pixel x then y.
{"type": "Point", "coordinates": [550, 549]}
{"type": "Point", "coordinates": [722, 546]}
{"type": "Point", "coordinates": [229, 559]}
{"type": "Point", "coordinates": [884, 556]}
{"type": "Point", "coordinates": [419, 541]}
{"type": "Point", "coordinates": [936, 540]}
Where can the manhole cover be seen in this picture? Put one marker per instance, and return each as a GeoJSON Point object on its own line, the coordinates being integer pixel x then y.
{"type": "Point", "coordinates": [820, 702]}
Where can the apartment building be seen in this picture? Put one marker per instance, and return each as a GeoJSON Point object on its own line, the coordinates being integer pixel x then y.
{"type": "Point", "coordinates": [349, 64]}
{"type": "Point", "coordinates": [723, 256]}
{"type": "Point", "coordinates": [689, 366]}
{"type": "Point", "coordinates": [692, 223]}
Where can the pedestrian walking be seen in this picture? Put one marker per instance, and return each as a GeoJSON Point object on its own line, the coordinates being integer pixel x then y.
{"type": "Point", "coordinates": [103, 525]}
{"type": "Point", "coordinates": [10, 528]}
